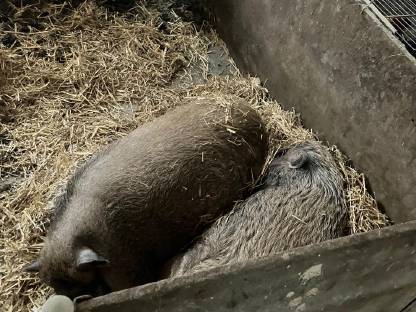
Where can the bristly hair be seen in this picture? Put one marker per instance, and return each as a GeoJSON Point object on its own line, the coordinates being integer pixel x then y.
{"type": "Point", "coordinates": [61, 200]}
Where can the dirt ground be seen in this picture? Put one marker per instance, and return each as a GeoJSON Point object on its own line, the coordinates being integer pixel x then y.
{"type": "Point", "coordinates": [76, 76]}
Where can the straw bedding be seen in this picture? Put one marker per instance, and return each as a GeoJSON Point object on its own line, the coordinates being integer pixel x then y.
{"type": "Point", "coordinates": [75, 77]}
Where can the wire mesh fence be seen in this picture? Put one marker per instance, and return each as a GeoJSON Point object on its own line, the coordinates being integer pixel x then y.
{"type": "Point", "coordinates": [401, 16]}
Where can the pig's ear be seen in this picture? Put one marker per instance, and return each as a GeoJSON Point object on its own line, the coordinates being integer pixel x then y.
{"type": "Point", "coordinates": [298, 160]}
{"type": "Point", "coordinates": [87, 259]}
{"type": "Point", "coordinates": [34, 267]}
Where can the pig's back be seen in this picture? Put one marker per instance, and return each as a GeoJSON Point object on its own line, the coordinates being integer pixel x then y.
{"type": "Point", "coordinates": [160, 184]}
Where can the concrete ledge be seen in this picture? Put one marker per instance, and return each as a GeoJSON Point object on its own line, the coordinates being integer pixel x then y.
{"type": "Point", "coordinates": [372, 272]}
{"type": "Point", "coordinates": [351, 80]}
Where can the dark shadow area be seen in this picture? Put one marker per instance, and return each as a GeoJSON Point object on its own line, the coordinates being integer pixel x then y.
{"type": "Point", "coordinates": [28, 14]}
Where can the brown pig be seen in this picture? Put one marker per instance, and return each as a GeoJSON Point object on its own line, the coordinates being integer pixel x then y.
{"type": "Point", "coordinates": [139, 201]}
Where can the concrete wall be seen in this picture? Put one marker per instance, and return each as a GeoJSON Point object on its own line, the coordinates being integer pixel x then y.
{"type": "Point", "coordinates": [347, 76]}
{"type": "Point", "coordinates": [372, 272]}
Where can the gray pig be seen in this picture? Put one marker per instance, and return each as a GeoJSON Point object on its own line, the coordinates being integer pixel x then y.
{"type": "Point", "coordinates": [138, 202]}
{"type": "Point", "coordinates": [300, 203]}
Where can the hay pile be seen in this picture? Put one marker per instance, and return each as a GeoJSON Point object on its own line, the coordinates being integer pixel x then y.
{"type": "Point", "coordinates": [82, 77]}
